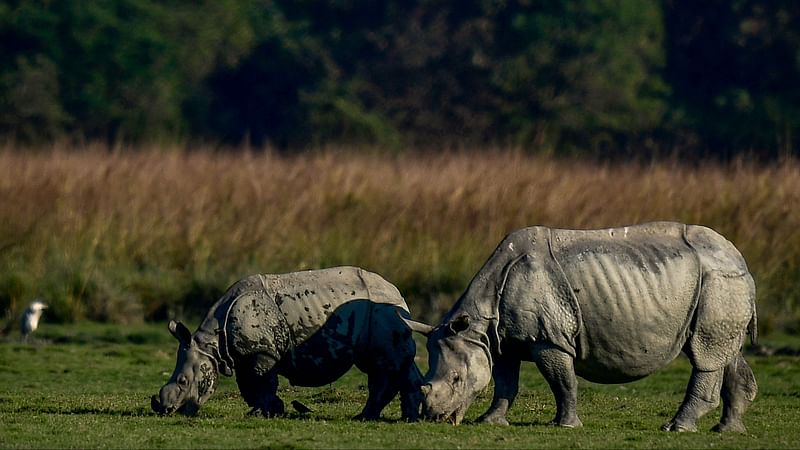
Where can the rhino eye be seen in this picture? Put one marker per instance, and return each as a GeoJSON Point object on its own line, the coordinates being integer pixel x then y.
{"type": "Point", "coordinates": [182, 380]}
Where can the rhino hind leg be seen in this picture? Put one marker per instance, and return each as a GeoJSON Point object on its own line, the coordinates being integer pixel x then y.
{"type": "Point", "coordinates": [557, 367]}
{"type": "Point", "coordinates": [506, 386]}
{"type": "Point", "coordinates": [258, 384]}
{"type": "Point", "coordinates": [724, 313]}
{"type": "Point", "coordinates": [739, 389]}
{"type": "Point", "coordinates": [702, 395]}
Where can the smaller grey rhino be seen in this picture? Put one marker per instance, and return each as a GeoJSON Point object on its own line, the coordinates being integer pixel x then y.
{"type": "Point", "coordinates": [310, 327]}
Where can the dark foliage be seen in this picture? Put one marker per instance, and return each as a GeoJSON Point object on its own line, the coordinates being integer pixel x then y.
{"type": "Point", "coordinates": [598, 77]}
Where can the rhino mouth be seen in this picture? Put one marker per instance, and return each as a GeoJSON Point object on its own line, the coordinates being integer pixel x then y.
{"type": "Point", "coordinates": [158, 408]}
{"type": "Point", "coordinates": [187, 409]}
{"type": "Point", "coordinates": [454, 418]}
{"type": "Point", "coordinates": [161, 409]}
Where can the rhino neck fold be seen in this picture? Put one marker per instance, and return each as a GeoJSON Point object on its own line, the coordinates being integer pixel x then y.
{"type": "Point", "coordinates": [482, 297]}
{"type": "Point", "coordinates": [211, 337]}
{"type": "Point", "coordinates": [207, 344]}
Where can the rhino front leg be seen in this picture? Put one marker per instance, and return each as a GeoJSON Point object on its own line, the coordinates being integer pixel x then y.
{"type": "Point", "coordinates": [702, 395]}
{"type": "Point", "coordinates": [410, 394]}
{"type": "Point", "coordinates": [557, 367]}
{"type": "Point", "coordinates": [739, 389]}
{"type": "Point", "coordinates": [258, 384]}
{"type": "Point", "coordinates": [506, 385]}
{"type": "Point", "coordinates": [382, 389]}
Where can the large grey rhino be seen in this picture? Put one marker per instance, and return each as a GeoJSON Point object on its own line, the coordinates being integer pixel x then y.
{"type": "Point", "coordinates": [310, 327]}
{"type": "Point", "coordinates": [610, 306]}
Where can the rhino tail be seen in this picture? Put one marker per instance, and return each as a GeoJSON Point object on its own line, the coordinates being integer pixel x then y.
{"type": "Point", "coordinates": [752, 328]}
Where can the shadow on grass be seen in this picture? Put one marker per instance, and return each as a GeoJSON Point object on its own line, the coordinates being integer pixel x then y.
{"type": "Point", "coordinates": [135, 412]}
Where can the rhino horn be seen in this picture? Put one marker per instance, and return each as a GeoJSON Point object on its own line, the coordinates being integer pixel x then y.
{"type": "Point", "coordinates": [419, 327]}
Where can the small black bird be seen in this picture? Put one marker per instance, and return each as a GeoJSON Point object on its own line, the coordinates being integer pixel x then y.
{"type": "Point", "coordinates": [301, 408]}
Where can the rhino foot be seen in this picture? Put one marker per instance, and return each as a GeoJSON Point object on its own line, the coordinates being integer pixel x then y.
{"type": "Point", "coordinates": [300, 408]}
{"type": "Point", "coordinates": [270, 414]}
{"type": "Point", "coordinates": [677, 427]}
{"type": "Point", "coordinates": [730, 427]}
{"type": "Point", "coordinates": [364, 417]}
{"type": "Point", "coordinates": [272, 408]}
{"type": "Point", "coordinates": [493, 419]}
{"type": "Point", "coordinates": [567, 423]}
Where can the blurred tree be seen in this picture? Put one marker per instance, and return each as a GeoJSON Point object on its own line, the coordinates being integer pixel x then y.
{"type": "Point", "coordinates": [292, 89]}
{"type": "Point", "coordinates": [734, 67]}
{"type": "Point", "coordinates": [581, 74]}
{"type": "Point", "coordinates": [601, 77]}
{"type": "Point", "coordinates": [30, 104]}
{"type": "Point", "coordinates": [31, 110]}
{"type": "Point", "coordinates": [258, 97]}
{"type": "Point", "coordinates": [118, 69]}
{"type": "Point", "coordinates": [427, 69]}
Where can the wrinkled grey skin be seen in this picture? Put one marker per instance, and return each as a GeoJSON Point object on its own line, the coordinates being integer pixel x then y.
{"type": "Point", "coordinates": [310, 327]}
{"type": "Point", "coordinates": [610, 306]}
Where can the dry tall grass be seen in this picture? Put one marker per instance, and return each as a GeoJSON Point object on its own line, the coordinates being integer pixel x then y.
{"type": "Point", "coordinates": [130, 235]}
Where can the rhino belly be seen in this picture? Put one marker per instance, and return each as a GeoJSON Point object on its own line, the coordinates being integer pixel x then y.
{"type": "Point", "coordinates": [319, 361]}
{"type": "Point", "coordinates": [636, 303]}
{"type": "Point", "coordinates": [329, 352]}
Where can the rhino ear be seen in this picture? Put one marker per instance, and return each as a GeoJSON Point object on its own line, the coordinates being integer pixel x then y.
{"type": "Point", "coordinates": [181, 333]}
{"type": "Point", "coordinates": [459, 324]}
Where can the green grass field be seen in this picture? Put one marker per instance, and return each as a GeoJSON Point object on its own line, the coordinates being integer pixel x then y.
{"type": "Point", "coordinates": [88, 385]}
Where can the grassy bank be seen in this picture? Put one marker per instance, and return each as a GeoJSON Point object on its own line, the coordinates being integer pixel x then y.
{"type": "Point", "coordinates": [129, 236]}
{"type": "Point", "coordinates": [88, 386]}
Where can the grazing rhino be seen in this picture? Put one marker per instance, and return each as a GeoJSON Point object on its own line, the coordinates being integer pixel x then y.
{"type": "Point", "coordinates": [310, 327]}
{"type": "Point", "coordinates": [610, 306]}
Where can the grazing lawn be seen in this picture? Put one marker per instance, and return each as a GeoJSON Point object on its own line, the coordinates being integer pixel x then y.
{"type": "Point", "coordinates": [88, 385]}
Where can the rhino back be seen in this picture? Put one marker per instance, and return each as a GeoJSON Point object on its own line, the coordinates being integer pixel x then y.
{"type": "Point", "coordinates": [715, 252]}
{"type": "Point", "coordinates": [636, 290]}
{"type": "Point", "coordinates": [307, 299]}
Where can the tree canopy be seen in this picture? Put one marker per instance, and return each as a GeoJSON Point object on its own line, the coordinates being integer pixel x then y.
{"type": "Point", "coordinates": [598, 77]}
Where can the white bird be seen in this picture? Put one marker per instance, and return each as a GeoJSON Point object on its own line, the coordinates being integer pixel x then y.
{"type": "Point", "coordinates": [30, 318]}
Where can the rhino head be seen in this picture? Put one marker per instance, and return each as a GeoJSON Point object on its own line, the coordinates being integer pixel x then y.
{"type": "Point", "coordinates": [192, 382]}
{"type": "Point", "coordinates": [459, 361]}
